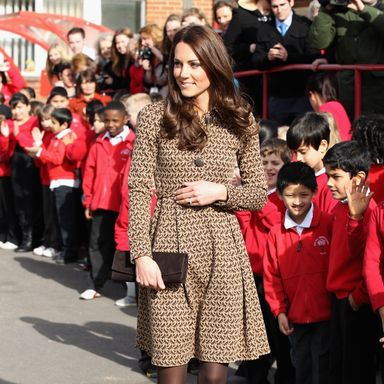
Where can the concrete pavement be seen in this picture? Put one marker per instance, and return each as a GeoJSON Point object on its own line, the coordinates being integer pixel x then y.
{"type": "Point", "coordinates": [49, 336]}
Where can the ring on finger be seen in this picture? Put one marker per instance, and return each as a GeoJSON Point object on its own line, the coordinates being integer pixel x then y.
{"type": "Point", "coordinates": [190, 201]}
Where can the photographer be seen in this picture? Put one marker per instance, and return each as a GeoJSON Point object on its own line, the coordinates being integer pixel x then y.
{"type": "Point", "coordinates": [355, 30]}
{"type": "Point", "coordinates": [151, 58]}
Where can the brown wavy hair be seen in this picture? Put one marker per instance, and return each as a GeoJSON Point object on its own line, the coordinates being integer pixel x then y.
{"type": "Point", "coordinates": [180, 118]}
{"type": "Point", "coordinates": [119, 60]}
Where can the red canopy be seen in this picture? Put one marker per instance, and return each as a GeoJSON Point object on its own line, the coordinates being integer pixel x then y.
{"type": "Point", "coordinates": [44, 28]}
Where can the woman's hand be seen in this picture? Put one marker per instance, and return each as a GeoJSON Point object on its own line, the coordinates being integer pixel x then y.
{"type": "Point", "coordinates": [200, 193]}
{"type": "Point", "coordinates": [4, 128]}
{"type": "Point", "coordinates": [148, 273]}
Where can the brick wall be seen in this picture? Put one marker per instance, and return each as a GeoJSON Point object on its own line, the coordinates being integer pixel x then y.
{"type": "Point", "coordinates": [157, 11]}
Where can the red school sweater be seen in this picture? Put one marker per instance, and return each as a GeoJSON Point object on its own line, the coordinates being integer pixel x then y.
{"type": "Point", "coordinates": [59, 167]}
{"type": "Point", "coordinates": [374, 258]}
{"type": "Point", "coordinates": [104, 172]}
{"type": "Point", "coordinates": [295, 270]}
{"type": "Point", "coordinates": [255, 226]}
{"type": "Point", "coordinates": [345, 274]}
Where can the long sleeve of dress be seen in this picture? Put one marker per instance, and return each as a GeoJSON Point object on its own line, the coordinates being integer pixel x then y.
{"type": "Point", "coordinates": [140, 184]}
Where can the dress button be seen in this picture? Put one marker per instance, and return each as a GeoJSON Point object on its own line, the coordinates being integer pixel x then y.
{"type": "Point", "coordinates": [199, 162]}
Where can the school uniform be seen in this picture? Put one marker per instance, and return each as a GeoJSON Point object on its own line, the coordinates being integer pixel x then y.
{"type": "Point", "coordinates": [51, 237]}
{"type": "Point", "coordinates": [64, 183]}
{"type": "Point", "coordinates": [295, 272]}
{"type": "Point", "coordinates": [9, 229]}
{"type": "Point", "coordinates": [103, 178]}
{"type": "Point", "coordinates": [255, 227]}
{"type": "Point", "coordinates": [26, 184]}
{"type": "Point", "coordinates": [352, 332]}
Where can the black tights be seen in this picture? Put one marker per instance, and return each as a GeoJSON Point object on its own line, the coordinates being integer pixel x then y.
{"type": "Point", "coordinates": [209, 373]}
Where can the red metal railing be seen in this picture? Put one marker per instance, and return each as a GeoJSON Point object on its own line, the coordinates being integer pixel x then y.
{"type": "Point", "coordinates": [357, 68]}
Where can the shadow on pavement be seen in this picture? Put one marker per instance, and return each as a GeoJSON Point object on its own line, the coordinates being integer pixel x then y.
{"type": "Point", "coordinates": [70, 275]}
{"type": "Point", "coordinates": [111, 341]}
{"type": "Point", "coordinates": [6, 382]}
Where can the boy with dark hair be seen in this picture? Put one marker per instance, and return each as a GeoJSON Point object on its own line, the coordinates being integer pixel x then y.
{"type": "Point", "coordinates": [295, 271]}
{"type": "Point", "coordinates": [64, 182]}
{"type": "Point", "coordinates": [255, 227]}
{"type": "Point", "coordinates": [103, 178]}
{"type": "Point", "coordinates": [352, 323]}
{"type": "Point", "coordinates": [308, 138]}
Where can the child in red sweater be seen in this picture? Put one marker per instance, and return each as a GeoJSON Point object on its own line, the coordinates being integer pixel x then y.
{"type": "Point", "coordinates": [308, 137]}
{"type": "Point", "coordinates": [102, 182]}
{"type": "Point", "coordinates": [255, 227]}
{"type": "Point", "coordinates": [295, 271]}
{"type": "Point", "coordinates": [352, 322]}
{"type": "Point", "coordinates": [63, 181]}
{"type": "Point", "coordinates": [373, 261]}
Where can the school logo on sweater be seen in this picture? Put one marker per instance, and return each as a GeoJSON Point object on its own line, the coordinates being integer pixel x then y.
{"type": "Point", "coordinates": [322, 243]}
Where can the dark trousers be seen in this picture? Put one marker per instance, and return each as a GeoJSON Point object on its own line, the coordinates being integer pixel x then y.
{"type": "Point", "coordinates": [310, 352]}
{"type": "Point", "coordinates": [51, 235]}
{"type": "Point", "coordinates": [27, 194]}
{"type": "Point", "coordinates": [285, 110]}
{"type": "Point", "coordinates": [353, 341]}
{"type": "Point", "coordinates": [65, 201]}
{"type": "Point", "coordinates": [257, 370]}
{"type": "Point", "coordinates": [9, 229]}
{"type": "Point", "coordinates": [101, 246]}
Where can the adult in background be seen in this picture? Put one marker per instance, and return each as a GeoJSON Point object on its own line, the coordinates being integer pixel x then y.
{"type": "Point", "coordinates": [56, 56]}
{"type": "Point", "coordinates": [222, 13]}
{"type": "Point", "coordinates": [280, 43]}
{"type": "Point", "coordinates": [76, 42]}
{"type": "Point", "coordinates": [121, 59]}
{"type": "Point", "coordinates": [187, 147]}
{"type": "Point", "coordinates": [240, 40]}
{"type": "Point", "coordinates": [356, 33]}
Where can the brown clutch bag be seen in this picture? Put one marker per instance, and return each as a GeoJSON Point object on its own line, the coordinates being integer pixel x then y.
{"type": "Point", "coordinates": [173, 267]}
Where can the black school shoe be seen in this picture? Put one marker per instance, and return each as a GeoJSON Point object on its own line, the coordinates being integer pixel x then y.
{"type": "Point", "coordinates": [61, 260]}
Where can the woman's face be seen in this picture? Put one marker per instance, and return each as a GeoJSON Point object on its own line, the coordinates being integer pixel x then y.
{"type": "Point", "coordinates": [20, 111]}
{"type": "Point", "coordinates": [88, 88]}
{"type": "Point", "coordinates": [146, 40]}
{"type": "Point", "coordinates": [121, 44]}
{"type": "Point", "coordinates": [192, 19]}
{"type": "Point", "coordinates": [190, 76]}
{"type": "Point", "coordinates": [171, 28]}
{"type": "Point", "coordinates": [54, 56]}
{"type": "Point", "coordinates": [224, 16]}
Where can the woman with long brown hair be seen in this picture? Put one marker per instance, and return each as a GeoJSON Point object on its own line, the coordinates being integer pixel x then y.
{"type": "Point", "coordinates": [120, 59]}
{"type": "Point", "coordinates": [188, 146]}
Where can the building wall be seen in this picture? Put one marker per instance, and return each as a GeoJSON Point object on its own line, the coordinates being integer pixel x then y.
{"type": "Point", "coordinates": [157, 11]}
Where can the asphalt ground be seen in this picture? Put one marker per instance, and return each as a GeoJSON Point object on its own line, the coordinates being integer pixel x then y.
{"type": "Point", "coordinates": [49, 336]}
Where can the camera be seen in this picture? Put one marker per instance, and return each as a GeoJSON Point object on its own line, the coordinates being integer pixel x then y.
{"type": "Point", "coordinates": [145, 53]}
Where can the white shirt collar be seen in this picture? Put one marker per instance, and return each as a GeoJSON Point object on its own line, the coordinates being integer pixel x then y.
{"type": "Point", "coordinates": [287, 21]}
{"type": "Point", "coordinates": [289, 223]}
{"type": "Point", "coordinates": [118, 138]}
{"type": "Point", "coordinates": [63, 133]}
{"type": "Point", "coordinates": [270, 191]}
{"type": "Point", "coordinates": [321, 172]}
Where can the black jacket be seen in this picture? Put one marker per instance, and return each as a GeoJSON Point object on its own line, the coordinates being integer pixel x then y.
{"type": "Point", "coordinates": [295, 42]}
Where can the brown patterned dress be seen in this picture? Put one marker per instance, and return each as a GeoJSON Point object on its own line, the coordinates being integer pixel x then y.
{"type": "Point", "coordinates": [216, 316]}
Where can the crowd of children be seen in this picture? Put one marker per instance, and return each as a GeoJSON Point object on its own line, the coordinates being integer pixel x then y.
{"type": "Point", "coordinates": [316, 247]}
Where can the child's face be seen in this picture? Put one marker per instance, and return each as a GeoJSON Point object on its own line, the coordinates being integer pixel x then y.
{"type": "Point", "coordinates": [271, 165]}
{"type": "Point", "coordinates": [88, 87]}
{"type": "Point", "coordinates": [59, 101]}
{"type": "Point", "coordinates": [114, 121]}
{"type": "Point", "coordinates": [338, 182]}
{"type": "Point", "coordinates": [46, 123]}
{"type": "Point", "coordinates": [98, 125]}
{"type": "Point", "coordinates": [56, 127]}
{"type": "Point", "coordinates": [311, 156]}
{"type": "Point", "coordinates": [20, 111]}
{"type": "Point", "coordinates": [297, 198]}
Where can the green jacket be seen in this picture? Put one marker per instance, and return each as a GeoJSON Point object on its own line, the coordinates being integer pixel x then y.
{"type": "Point", "coordinates": [357, 38]}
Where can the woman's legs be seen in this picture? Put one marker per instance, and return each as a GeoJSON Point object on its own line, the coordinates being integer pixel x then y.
{"type": "Point", "coordinates": [212, 373]}
{"type": "Point", "coordinates": [172, 375]}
